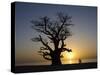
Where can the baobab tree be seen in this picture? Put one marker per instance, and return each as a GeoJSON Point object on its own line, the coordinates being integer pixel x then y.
{"type": "Point", "coordinates": [57, 31]}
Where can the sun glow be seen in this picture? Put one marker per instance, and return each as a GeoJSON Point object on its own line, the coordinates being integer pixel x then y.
{"type": "Point", "coordinates": [68, 57]}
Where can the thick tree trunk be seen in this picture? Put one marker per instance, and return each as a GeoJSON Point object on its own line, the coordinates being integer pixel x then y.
{"type": "Point", "coordinates": [56, 59]}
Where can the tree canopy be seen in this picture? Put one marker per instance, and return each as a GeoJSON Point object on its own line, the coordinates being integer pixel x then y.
{"type": "Point", "coordinates": [57, 31]}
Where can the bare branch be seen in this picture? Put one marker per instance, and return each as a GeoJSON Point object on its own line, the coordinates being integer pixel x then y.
{"type": "Point", "coordinates": [36, 39]}
{"type": "Point", "coordinates": [43, 48]}
{"type": "Point", "coordinates": [66, 49]}
{"type": "Point", "coordinates": [62, 49]}
{"type": "Point", "coordinates": [47, 56]}
{"type": "Point", "coordinates": [45, 44]}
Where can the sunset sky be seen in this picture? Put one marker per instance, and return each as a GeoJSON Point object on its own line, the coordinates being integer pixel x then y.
{"type": "Point", "coordinates": [83, 41]}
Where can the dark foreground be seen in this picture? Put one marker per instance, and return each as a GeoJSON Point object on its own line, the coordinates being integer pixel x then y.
{"type": "Point", "coordinates": [22, 69]}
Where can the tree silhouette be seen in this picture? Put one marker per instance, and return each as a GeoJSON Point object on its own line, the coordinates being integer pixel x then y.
{"type": "Point", "coordinates": [56, 31]}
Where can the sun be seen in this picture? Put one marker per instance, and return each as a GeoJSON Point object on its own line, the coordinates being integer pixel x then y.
{"type": "Point", "coordinates": [68, 55]}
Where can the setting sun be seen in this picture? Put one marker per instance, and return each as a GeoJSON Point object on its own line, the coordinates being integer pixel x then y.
{"type": "Point", "coordinates": [68, 55]}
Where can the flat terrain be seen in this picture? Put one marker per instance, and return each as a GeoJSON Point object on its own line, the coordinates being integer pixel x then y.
{"type": "Point", "coordinates": [21, 69]}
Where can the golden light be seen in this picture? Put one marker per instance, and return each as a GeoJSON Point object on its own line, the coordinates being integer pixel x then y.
{"type": "Point", "coordinates": [68, 57]}
{"type": "Point", "coordinates": [70, 61]}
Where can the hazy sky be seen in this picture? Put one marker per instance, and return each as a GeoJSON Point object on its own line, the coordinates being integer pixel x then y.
{"type": "Point", "coordinates": [83, 42]}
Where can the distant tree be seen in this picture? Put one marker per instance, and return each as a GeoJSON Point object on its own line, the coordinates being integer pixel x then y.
{"type": "Point", "coordinates": [57, 31]}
